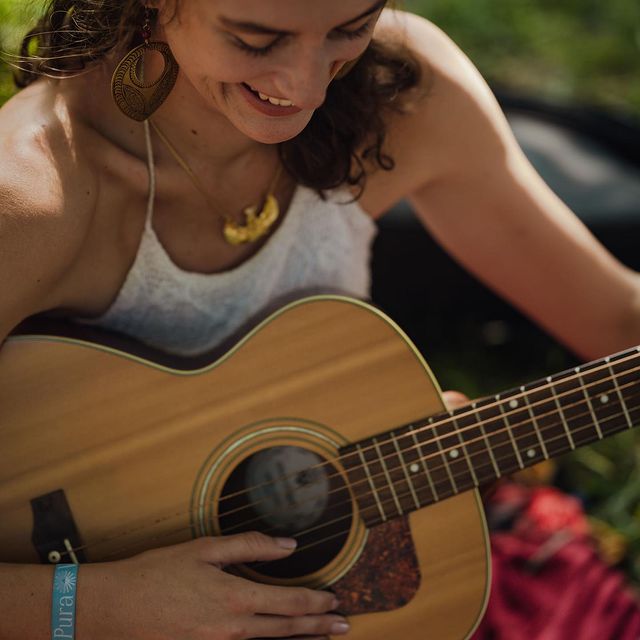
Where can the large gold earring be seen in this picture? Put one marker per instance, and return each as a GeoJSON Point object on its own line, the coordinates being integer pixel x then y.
{"type": "Point", "coordinates": [136, 98]}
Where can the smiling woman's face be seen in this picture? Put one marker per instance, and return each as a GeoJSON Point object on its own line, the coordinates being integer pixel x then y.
{"type": "Point", "coordinates": [231, 51]}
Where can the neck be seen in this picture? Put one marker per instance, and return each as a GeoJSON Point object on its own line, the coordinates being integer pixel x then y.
{"type": "Point", "coordinates": [204, 132]}
{"type": "Point", "coordinates": [416, 465]}
{"type": "Point", "coordinates": [201, 133]}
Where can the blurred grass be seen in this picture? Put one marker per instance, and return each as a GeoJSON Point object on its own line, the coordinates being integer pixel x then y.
{"type": "Point", "coordinates": [584, 51]}
{"type": "Point", "coordinates": [15, 15]}
{"type": "Point", "coordinates": [574, 50]}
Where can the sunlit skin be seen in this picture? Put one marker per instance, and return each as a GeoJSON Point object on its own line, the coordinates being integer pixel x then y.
{"type": "Point", "coordinates": [74, 187]}
{"type": "Point", "coordinates": [218, 50]}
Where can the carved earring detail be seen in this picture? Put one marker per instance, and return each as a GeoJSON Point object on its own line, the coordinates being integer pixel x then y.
{"type": "Point", "coordinates": [136, 98]}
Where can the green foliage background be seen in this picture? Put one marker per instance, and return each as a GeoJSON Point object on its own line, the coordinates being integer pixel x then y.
{"type": "Point", "coordinates": [573, 50]}
{"type": "Point", "coordinates": [585, 50]}
{"type": "Point", "coordinates": [9, 22]}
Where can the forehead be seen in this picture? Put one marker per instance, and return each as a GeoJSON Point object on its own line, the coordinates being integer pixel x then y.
{"type": "Point", "coordinates": [287, 14]}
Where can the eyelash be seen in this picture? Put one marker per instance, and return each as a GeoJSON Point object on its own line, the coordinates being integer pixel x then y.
{"type": "Point", "coordinates": [263, 51]}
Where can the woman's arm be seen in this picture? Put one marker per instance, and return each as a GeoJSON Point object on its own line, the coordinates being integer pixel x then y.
{"type": "Point", "coordinates": [175, 592]}
{"type": "Point", "coordinates": [44, 217]}
{"type": "Point", "coordinates": [476, 192]}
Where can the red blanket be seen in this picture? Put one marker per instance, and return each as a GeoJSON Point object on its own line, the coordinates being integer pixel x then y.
{"type": "Point", "coordinates": [548, 580]}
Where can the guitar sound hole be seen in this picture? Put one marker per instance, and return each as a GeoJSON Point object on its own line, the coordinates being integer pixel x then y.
{"type": "Point", "coordinates": [289, 491]}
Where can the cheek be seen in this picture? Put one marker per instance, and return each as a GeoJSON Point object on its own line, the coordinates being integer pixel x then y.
{"type": "Point", "coordinates": [216, 66]}
{"type": "Point", "coordinates": [199, 52]}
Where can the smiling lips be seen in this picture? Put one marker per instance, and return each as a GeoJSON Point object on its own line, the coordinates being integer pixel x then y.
{"type": "Point", "coordinates": [281, 102]}
{"type": "Point", "coordinates": [268, 105]}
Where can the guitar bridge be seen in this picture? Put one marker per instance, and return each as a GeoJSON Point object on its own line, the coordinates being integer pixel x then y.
{"type": "Point", "coordinates": [55, 535]}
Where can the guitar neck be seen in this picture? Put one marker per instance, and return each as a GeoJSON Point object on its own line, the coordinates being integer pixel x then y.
{"type": "Point", "coordinates": [407, 468]}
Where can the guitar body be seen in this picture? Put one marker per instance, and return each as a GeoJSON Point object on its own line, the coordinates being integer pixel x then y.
{"type": "Point", "coordinates": [146, 454]}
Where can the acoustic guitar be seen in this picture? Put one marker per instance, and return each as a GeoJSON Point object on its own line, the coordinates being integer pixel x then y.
{"type": "Point", "coordinates": [323, 423]}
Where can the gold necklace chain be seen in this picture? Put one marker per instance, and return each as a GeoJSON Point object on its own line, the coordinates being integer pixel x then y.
{"type": "Point", "coordinates": [257, 224]}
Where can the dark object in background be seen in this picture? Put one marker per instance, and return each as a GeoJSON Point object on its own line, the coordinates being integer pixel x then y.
{"type": "Point", "coordinates": [473, 340]}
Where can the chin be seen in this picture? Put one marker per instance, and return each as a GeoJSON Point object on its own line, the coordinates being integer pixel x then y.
{"type": "Point", "coordinates": [275, 132]}
{"type": "Point", "coordinates": [260, 127]}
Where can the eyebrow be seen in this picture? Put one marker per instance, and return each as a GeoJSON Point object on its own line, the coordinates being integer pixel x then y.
{"type": "Point", "coordinates": [252, 27]}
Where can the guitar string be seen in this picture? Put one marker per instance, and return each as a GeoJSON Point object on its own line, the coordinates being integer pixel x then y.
{"type": "Point", "coordinates": [396, 469]}
{"type": "Point", "coordinates": [407, 495]}
{"type": "Point", "coordinates": [166, 518]}
{"type": "Point", "coordinates": [464, 475]}
{"type": "Point", "coordinates": [433, 426]}
{"type": "Point", "coordinates": [372, 506]}
{"type": "Point", "coordinates": [435, 455]}
{"type": "Point", "coordinates": [436, 423]}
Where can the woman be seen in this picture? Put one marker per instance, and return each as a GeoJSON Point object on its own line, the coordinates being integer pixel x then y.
{"type": "Point", "coordinates": [85, 234]}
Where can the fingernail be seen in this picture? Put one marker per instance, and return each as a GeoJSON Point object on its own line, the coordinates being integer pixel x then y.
{"type": "Point", "coordinates": [340, 627]}
{"type": "Point", "coordinates": [287, 543]}
{"type": "Point", "coordinates": [334, 603]}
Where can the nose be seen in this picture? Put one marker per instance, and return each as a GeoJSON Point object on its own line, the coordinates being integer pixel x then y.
{"type": "Point", "coordinates": [304, 78]}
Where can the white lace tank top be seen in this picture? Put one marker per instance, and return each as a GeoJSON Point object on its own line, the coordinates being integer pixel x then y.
{"type": "Point", "coordinates": [319, 246]}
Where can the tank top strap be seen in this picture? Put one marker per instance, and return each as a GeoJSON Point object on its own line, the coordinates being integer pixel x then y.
{"type": "Point", "coordinates": [152, 175]}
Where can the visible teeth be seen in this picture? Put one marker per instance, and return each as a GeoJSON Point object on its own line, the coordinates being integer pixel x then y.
{"type": "Point", "coordinates": [276, 101]}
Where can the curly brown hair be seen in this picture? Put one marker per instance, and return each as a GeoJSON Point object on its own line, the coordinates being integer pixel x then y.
{"type": "Point", "coordinates": [344, 140]}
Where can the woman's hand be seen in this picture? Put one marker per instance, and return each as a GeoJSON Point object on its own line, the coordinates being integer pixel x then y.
{"type": "Point", "coordinates": [182, 593]}
{"type": "Point", "coordinates": [454, 399]}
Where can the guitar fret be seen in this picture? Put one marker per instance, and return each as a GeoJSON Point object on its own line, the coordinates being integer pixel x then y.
{"type": "Point", "coordinates": [561, 414]}
{"type": "Point", "coordinates": [455, 456]}
{"type": "Point", "coordinates": [434, 459]}
{"type": "Point", "coordinates": [404, 469]}
{"type": "Point", "coordinates": [464, 450]}
{"type": "Point", "coordinates": [489, 449]}
{"type": "Point", "coordinates": [623, 404]}
{"type": "Point", "coordinates": [397, 468]}
{"type": "Point", "coordinates": [475, 445]}
{"type": "Point", "coordinates": [545, 412]}
{"type": "Point", "coordinates": [523, 428]}
{"type": "Point", "coordinates": [500, 441]}
{"type": "Point", "coordinates": [534, 422]}
{"type": "Point", "coordinates": [574, 398]}
{"type": "Point", "coordinates": [604, 399]}
{"type": "Point", "coordinates": [588, 399]}
{"type": "Point", "coordinates": [388, 477]}
{"type": "Point", "coordinates": [416, 465]}
{"type": "Point", "coordinates": [434, 493]}
{"type": "Point", "coordinates": [365, 466]}
{"type": "Point", "coordinates": [509, 431]}
{"type": "Point", "coordinates": [443, 456]}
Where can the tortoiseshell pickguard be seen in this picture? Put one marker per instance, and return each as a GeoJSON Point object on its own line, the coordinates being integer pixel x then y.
{"type": "Point", "coordinates": [387, 574]}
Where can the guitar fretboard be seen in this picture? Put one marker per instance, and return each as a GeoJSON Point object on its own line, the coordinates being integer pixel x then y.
{"type": "Point", "coordinates": [402, 470]}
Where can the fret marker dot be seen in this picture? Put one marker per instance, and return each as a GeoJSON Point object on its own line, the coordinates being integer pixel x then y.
{"type": "Point", "coordinates": [604, 398]}
{"type": "Point", "coordinates": [414, 468]}
{"type": "Point", "coordinates": [531, 453]}
{"type": "Point", "coordinates": [513, 404]}
{"type": "Point", "coordinates": [454, 453]}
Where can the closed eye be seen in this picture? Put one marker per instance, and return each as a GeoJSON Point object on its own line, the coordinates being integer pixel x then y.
{"type": "Point", "coordinates": [263, 51]}
{"type": "Point", "coordinates": [257, 51]}
{"type": "Point", "coordinates": [358, 33]}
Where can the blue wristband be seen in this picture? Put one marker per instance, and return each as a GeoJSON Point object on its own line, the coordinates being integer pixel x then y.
{"type": "Point", "coordinates": [63, 602]}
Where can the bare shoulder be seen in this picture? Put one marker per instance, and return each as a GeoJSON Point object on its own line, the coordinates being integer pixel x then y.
{"type": "Point", "coordinates": [47, 196]}
{"type": "Point", "coordinates": [431, 45]}
{"type": "Point", "coordinates": [454, 109]}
